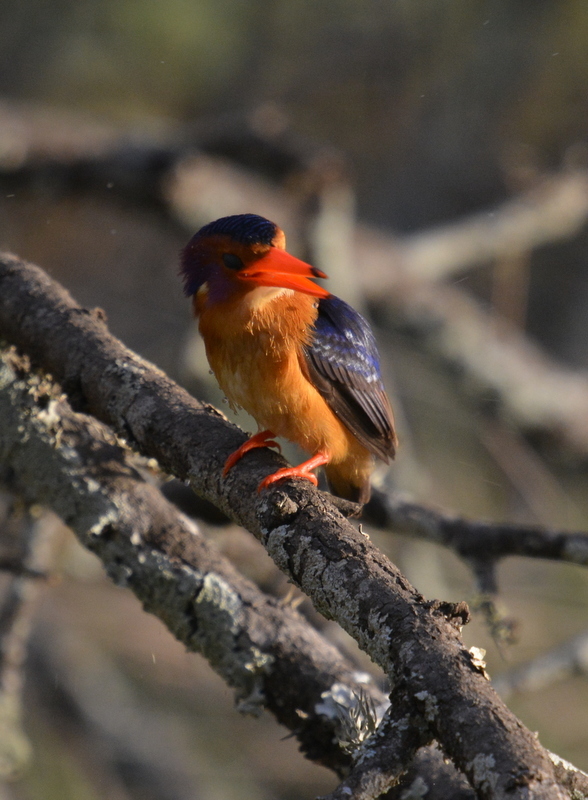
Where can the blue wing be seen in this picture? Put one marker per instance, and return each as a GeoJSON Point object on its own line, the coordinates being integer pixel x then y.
{"type": "Point", "coordinates": [343, 364]}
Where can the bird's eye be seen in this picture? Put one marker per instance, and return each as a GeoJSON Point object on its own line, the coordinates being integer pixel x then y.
{"type": "Point", "coordinates": [231, 261]}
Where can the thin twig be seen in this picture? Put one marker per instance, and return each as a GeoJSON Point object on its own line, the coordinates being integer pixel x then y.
{"type": "Point", "coordinates": [475, 541]}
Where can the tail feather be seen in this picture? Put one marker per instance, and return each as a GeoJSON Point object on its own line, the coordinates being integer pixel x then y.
{"type": "Point", "coordinates": [358, 491]}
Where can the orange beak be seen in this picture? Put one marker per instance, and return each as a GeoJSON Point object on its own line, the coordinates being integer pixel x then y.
{"type": "Point", "coordinates": [278, 268]}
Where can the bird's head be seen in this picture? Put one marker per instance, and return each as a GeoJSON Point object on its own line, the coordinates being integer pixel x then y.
{"type": "Point", "coordinates": [240, 253]}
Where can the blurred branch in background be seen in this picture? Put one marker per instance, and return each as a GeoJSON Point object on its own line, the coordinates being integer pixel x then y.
{"type": "Point", "coordinates": [554, 207]}
{"type": "Point", "coordinates": [569, 658]}
{"type": "Point", "coordinates": [497, 364]}
{"type": "Point", "coordinates": [131, 750]}
{"type": "Point", "coordinates": [27, 535]}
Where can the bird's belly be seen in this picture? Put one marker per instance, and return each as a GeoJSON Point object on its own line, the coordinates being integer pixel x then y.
{"type": "Point", "coordinates": [272, 388]}
{"type": "Point", "coordinates": [241, 385]}
{"type": "Point", "coordinates": [257, 361]}
{"type": "Point", "coordinates": [255, 381]}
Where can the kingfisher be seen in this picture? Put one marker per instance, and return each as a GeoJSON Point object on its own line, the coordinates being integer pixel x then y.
{"type": "Point", "coordinates": [301, 361]}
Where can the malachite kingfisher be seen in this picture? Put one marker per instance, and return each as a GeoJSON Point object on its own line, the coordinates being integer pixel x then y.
{"type": "Point", "coordinates": [302, 362]}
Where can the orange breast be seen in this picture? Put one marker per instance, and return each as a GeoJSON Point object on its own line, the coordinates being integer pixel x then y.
{"type": "Point", "coordinates": [254, 347]}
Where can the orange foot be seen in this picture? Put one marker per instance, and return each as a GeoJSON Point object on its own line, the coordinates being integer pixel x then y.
{"type": "Point", "coordinates": [261, 439]}
{"type": "Point", "coordinates": [301, 471]}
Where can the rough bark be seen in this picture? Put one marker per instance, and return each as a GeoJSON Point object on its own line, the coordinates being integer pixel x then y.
{"type": "Point", "coordinates": [347, 578]}
{"type": "Point", "coordinates": [264, 649]}
{"type": "Point", "coordinates": [382, 758]}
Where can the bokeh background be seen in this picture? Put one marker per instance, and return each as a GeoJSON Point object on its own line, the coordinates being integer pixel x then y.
{"type": "Point", "coordinates": [362, 128]}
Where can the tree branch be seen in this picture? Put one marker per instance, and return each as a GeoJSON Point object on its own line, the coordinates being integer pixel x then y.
{"type": "Point", "coordinates": [266, 651]}
{"type": "Point", "coordinates": [347, 578]}
{"type": "Point", "coordinates": [261, 647]}
{"type": "Point", "coordinates": [554, 208]}
{"type": "Point", "coordinates": [474, 540]}
{"type": "Point", "coordinates": [569, 658]}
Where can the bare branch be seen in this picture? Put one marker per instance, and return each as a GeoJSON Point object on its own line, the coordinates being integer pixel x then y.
{"type": "Point", "coordinates": [554, 208]}
{"type": "Point", "coordinates": [267, 652]}
{"type": "Point", "coordinates": [261, 647]}
{"type": "Point", "coordinates": [479, 543]}
{"type": "Point", "coordinates": [347, 578]}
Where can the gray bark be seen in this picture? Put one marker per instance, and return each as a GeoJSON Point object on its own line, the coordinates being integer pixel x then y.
{"type": "Point", "coordinates": [348, 579]}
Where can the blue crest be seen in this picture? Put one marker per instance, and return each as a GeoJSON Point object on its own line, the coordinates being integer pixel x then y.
{"type": "Point", "coordinates": [248, 229]}
{"type": "Point", "coordinates": [243, 228]}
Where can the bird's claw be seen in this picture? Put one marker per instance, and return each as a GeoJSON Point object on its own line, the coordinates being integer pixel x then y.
{"type": "Point", "coordinates": [262, 439]}
{"type": "Point", "coordinates": [301, 471]}
{"type": "Point", "coordinates": [285, 474]}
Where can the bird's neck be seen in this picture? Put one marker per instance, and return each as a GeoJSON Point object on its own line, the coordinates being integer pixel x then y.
{"type": "Point", "coordinates": [258, 299]}
{"type": "Point", "coordinates": [282, 313]}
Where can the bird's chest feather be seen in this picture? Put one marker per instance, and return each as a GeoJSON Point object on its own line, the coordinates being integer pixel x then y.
{"type": "Point", "coordinates": [253, 346]}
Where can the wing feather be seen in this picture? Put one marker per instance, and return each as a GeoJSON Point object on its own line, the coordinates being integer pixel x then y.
{"type": "Point", "coordinates": [342, 362]}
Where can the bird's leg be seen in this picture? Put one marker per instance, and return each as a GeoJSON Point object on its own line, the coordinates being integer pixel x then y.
{"type": "Point", "coordinates": [301, 471]}
{"type": "Point", "coordinates": [261, 439]}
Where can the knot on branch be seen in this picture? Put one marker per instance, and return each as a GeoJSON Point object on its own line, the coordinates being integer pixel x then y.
{"type": "Point", "coordinates": [346, 507]}
{"type": "Point", "coordinates": [279, 509]}
{"type": "Point", "coordinates": [456, 613]}
{"type": "Point", "coordinates": [99, 314]}
{"type": "Point", "coordinates": [524, 778]}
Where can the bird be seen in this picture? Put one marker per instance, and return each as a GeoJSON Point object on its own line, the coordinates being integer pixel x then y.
{"type": "Point", "coordinates": [300, 360]}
